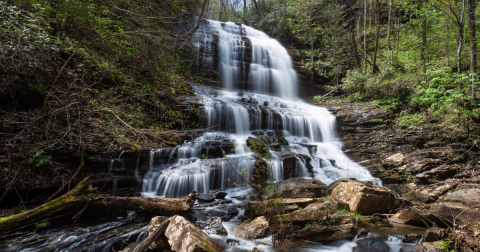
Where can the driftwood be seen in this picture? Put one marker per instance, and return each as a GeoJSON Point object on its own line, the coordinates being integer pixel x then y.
{"type": "Point", "coordinates": [82, 198]}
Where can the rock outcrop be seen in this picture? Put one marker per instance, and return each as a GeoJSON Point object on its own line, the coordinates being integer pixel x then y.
{"type": "Point", "coordinates": [460, 206]}
{"type": "Point", "coordinates": [213, 226]}
{"type": "Point", "coordinates": [299, 188]}
{"type": "Point", "coordinates": [395, 160]}
{"type": "Point", "coordinates": [314, 211]}
{"type": "Point", "coordinates": [365, 198]}
{"type": "Point", "coordinates": [253, 229]}
{"type": "Point", "coordinates": [184, 236]}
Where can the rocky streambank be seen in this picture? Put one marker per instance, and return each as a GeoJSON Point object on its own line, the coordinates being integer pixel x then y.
{"type": "Point", "coordinates": [436, 170]}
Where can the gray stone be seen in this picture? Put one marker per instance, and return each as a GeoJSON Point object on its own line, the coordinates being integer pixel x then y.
{"type": "Point", "coordinates": [184, 236]}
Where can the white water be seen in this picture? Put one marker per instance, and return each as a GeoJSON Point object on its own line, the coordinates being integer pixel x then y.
{"type": "Point", "coordinates": [258, 94]}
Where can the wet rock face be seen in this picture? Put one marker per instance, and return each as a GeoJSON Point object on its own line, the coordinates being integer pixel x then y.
{"type": "Point", "coordinates": [205, 198]}
{"type": "Point", "coordinates": [371, 245]}
{"type": "Point", "coordinates": [218, 194]}
{"type": "Point", "coordinates": [218, 149]}
{"type": "Point", "coordinates": [289, 160]}
{"type": "Point", "coordinates": [253, 229]}
{"type": "Point", "coordinates": [184, 236]}
{"type": "Point", "coordinates": [214, 226]}
{"type": "Point", "coordinates": [365, 198]}
{"type": "Point", "coordinates": [300, 188]}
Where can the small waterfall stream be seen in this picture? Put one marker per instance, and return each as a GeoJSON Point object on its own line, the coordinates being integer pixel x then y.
{"type": "Point", "coordinates": [253, 93]}
{"type": "Point", "coordinates": [256, 95]}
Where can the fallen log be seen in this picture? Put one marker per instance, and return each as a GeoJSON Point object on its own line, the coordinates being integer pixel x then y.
{"type": "Point", "coordinates": [119, 206]}
{"type": "Point", "coordinates": [83, 199]}
{"type": "Point", "coordinates": [68, 203]}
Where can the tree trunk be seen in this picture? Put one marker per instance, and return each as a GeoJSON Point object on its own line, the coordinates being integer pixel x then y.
{"type": "Point", "coordinates": [258, 10]}
{"type": "Point", "coordinates": [244, 8]}
{"type": "Point", "coordinates": [312, 78]}
{"type": "Point", "coordinates": [389, 25]}
{"type": "Point", "coordinates": [377, 33]}
{"type": "Point", "coordinates": [353, 41]}
{"type": "Point", "coordinates": [365, 33]}
{"type": "Point", "coordinates": [459, 48]}
{"type": "Point", "coordinates": [447, 40]}
{"type": "Point", "coordinates": [424, 44]}
{"type": "Point", "coordinates": [473, 43]}
{"type": "Point", "coordinates": [460, 24]}
{"type": "Point", "coordinates": [77, 200]}
{"type": "Point", "coordinates": [359, 23]}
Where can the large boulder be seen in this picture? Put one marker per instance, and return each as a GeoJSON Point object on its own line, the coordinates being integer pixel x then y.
{"type": "Point", "coordinates": [218, 194]}
{"type": "Point", "coordinates": [205, 198]}
{"type": "Point", "coordinates": [299, 188]}
{"type": "Point", "coordinates": [272, 207]}
{"type": "Point", "coordinates": [213, 226]}
{"type": "Point", "coordinates": [161, 243]}
{"type": "Point", "coordinates": [184, 236]}
{"type": "Point", "coordinates": [253, 229]}
{"type": "Point", "coordinates": [434, 234]}
{"type": "Point", "coordinates": [364, 198]}
{"type": "Point", "coordinates": [423, 247]}
{"type": "Point", "coordinates": [371, 245]}
{"type": "Point", "coordinates": [395, 160]}
{"type": "Point", "coordinates": [460, 206]}
{"type": "Point", "coordinates": [312, 212]}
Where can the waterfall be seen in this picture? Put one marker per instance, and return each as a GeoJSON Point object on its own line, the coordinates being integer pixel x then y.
{"type": "Point", "coordinates": [253, 92]}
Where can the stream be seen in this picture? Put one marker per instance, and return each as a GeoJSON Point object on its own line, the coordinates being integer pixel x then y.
{"type": "Point", "coordinates": [255, 94]}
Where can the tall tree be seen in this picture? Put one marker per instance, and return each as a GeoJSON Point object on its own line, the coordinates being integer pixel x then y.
{"type": "Point", "coordinates": [377, 35]}
{"type": "Point", "coordinates": [473, 43]}
{"type": "Point", "coordinates": [389, 24]}
{"type": "Point", "coordinates": [351, 32]}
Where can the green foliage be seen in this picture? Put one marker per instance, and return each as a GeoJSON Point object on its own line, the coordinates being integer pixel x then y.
{"type": "Point", "coordinates": [445, 246]}
{"type": "Point", "coordinates": [410, 120]}
{"type": "Point", "coordinates": [39, 158]}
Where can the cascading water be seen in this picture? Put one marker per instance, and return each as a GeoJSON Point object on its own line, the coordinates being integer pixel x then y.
{"type": "Point", "coordinates": [257, 95]}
